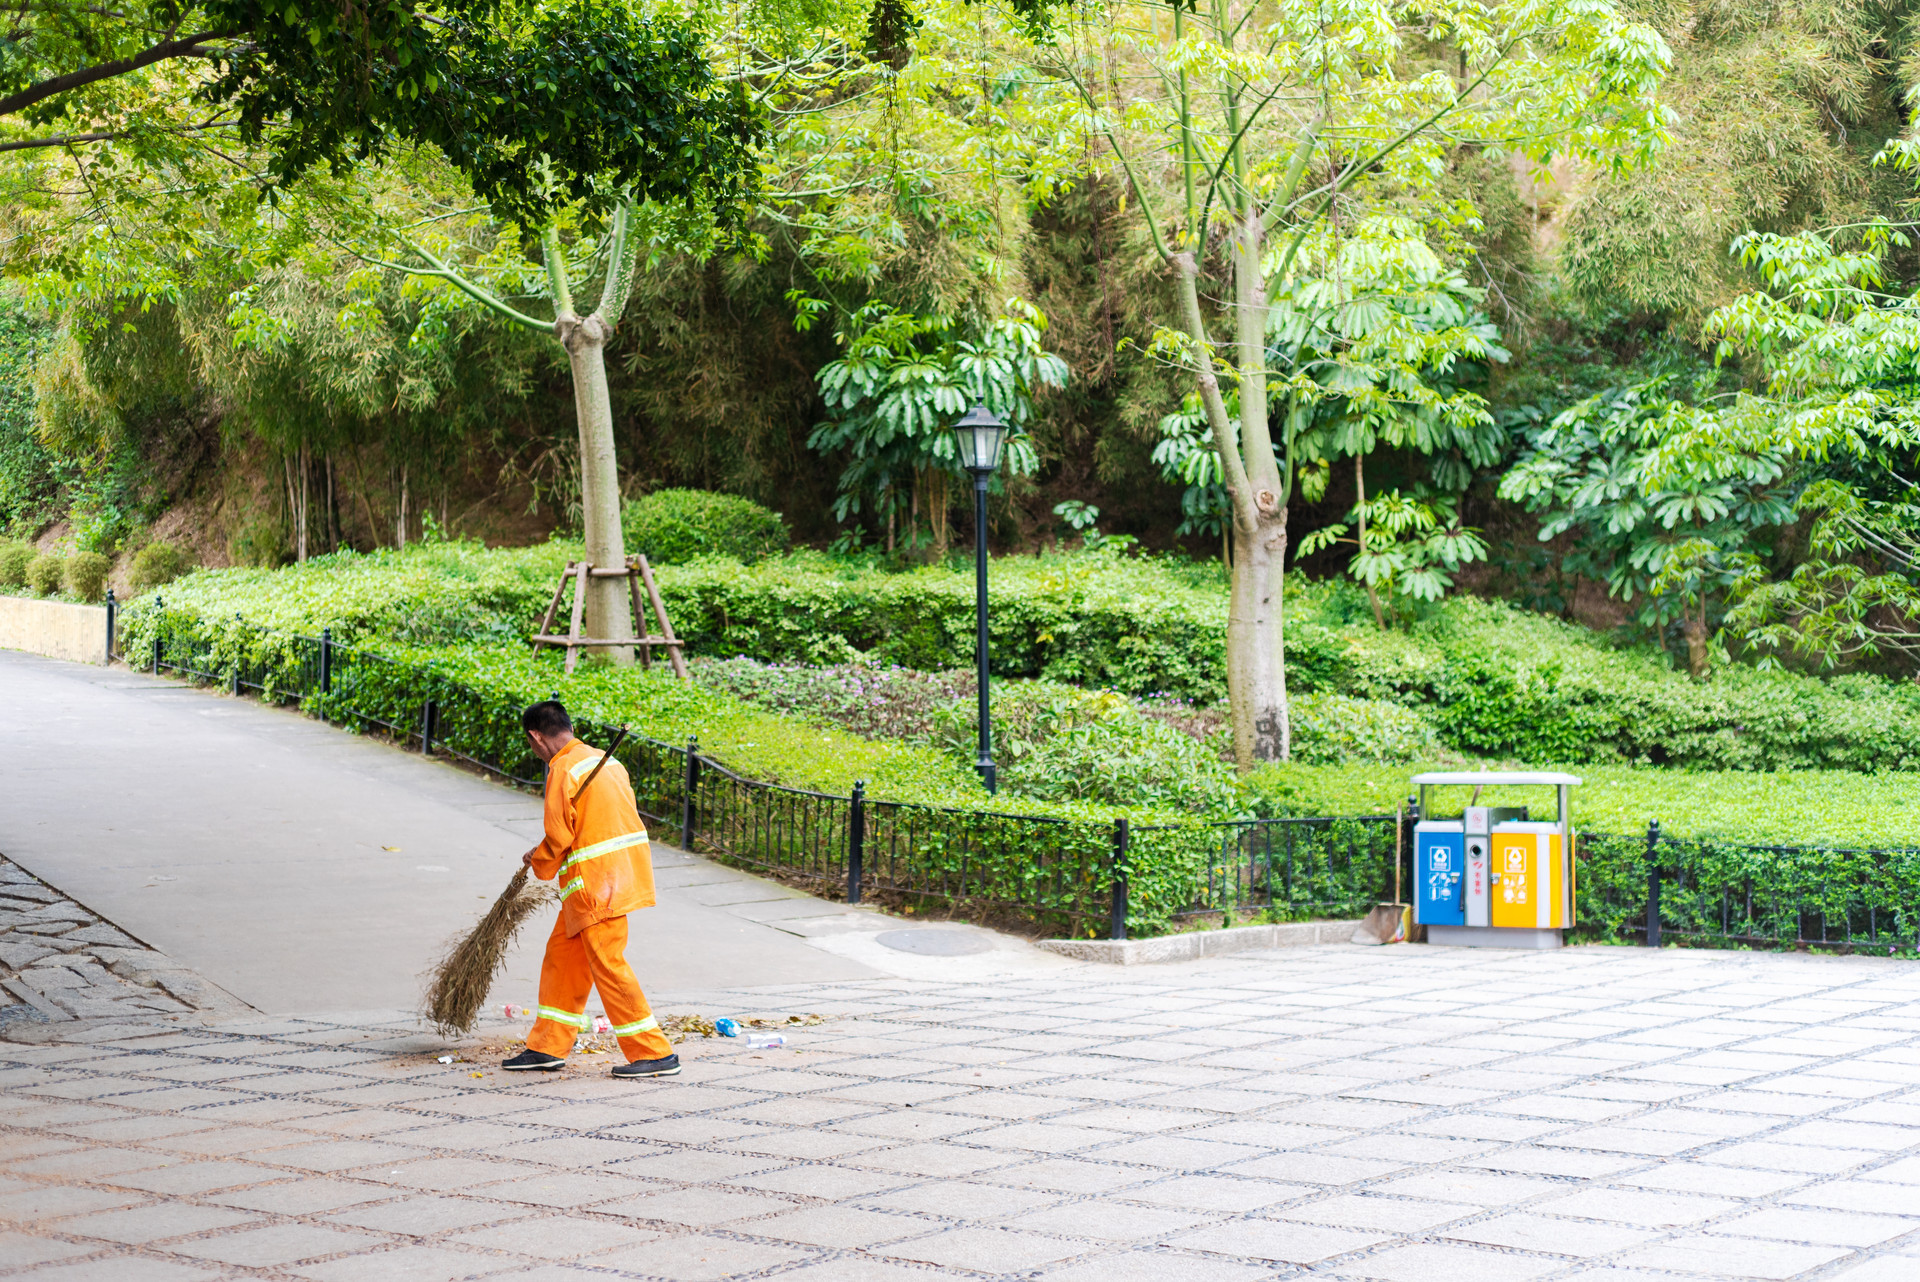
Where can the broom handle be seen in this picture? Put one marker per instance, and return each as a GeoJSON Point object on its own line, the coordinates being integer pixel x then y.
{"type": "Point", "coordinates": [605, 757]}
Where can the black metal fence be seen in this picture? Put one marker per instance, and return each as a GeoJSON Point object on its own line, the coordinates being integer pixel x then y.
{"type": "Point", "coordinates": [1656, 889]}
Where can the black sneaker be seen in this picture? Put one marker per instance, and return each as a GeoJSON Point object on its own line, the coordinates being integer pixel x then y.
{"type": "Point", "coordinates": [666, 1067]}
{"type": "Point", "coordinates": [535, 1060]}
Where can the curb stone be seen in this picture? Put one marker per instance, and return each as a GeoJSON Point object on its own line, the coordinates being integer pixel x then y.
{"type": "Point", "coordinates": [1202, 943]}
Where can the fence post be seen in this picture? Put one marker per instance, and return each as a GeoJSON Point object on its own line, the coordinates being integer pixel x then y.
{"type": "Point", "coordinates": [326, 660]}
{"type": "Point", "coordinates": [159, 620]}
{"type": "Point", "coordinates": [688, 811]}
{"type": "Point", "coordinates": [1653, 884]}
{"type": "Point", "coordinates": [112, 608]}
{"type": "Point", "coordinates": [429, 716]}
{"type": "Point", "coordinates": [238, 617]}
{"type": "Point", "coordinates": [1117, 927]}
{"type": "Point", "coordinates": [856, 840]}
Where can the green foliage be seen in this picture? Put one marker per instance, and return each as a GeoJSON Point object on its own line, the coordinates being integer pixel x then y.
{"type": "Point", "coordinates": [671, 526]}
{"type": "Point", "coordinates": [429, 593]}
{"type": "Point", "coordinates": [1843, 397]}
{"type": "Point", "coordinates": [1492, 679]}
{"type": "Point", "coordinates": [156, 565]}
{"type": "Point", "coordinates": [1058, 742]}
{"type": "Point", "coordinates": [1404, 545]}
{"type": "Point", "coordinates": [1668, 541]}
{"type": "Point", "coordinates": [1337, 727]}
{"type": "Point", "coordinates": [14, 560]}
{"type": "Point", "coordinates": [871, 701]}
{"type": "Point", "coordinates": [1096, 618]}
{"type": "Point", "coordinates": [554, 104]}
{"type": "Point", "coordinates": [1767, 108]}
{"type": "Point", "coordinates": [86, 575]}
{"type": "Point", "coordinates": [894, 396]}
{"type": "Point", "coordinates": [27, 470]}
{"type": "Point", "coordinates": [46, 573]}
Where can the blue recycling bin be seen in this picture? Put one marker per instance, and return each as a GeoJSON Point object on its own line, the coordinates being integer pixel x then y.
{"type": "Point", "coordinates": [1439, 861]}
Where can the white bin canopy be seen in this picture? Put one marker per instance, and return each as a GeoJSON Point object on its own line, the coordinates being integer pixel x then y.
{"type": "Point", "coordinates": [1555, 779]}
{"type": "Point", "coordinates": [1475, 778]}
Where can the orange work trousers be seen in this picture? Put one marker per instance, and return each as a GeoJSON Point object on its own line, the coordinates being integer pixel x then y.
{"type": "Point", "coordinates": [574, 965]}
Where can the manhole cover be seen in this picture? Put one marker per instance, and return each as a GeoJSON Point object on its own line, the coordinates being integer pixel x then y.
{"type": "Point", "coordinates": [936, 943]}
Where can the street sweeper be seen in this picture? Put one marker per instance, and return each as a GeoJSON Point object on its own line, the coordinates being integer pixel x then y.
{"type": "Point", "coordinates": [596, 846]}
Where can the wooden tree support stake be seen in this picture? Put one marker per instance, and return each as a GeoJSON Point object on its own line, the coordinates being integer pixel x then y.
{"type": "Point", "coordinates": [636, 572]}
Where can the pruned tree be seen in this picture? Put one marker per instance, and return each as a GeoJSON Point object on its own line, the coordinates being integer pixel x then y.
{"type": "Point", "coordinates": [1245, 131]}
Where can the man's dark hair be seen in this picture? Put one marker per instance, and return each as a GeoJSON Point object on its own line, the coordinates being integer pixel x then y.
{"type": "Point", "coordinates": [548, 717]}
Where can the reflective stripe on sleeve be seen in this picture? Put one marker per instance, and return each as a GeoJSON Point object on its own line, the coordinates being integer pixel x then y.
{"type": "Point", "coordinates": [572, 886]}
{"type": "Point", "coordinates": [563, 1017]}
{"type": "Point", "coordinates": [646, 1025]}
{"type": "Point", "coordinates": [607, 847]}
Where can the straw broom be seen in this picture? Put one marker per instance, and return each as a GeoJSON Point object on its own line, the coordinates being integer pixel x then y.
{"type": "Point", "coordinates": [466, 974]}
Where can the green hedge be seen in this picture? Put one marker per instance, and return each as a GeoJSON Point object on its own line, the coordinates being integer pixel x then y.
{"type": "Point", "coordinates": [1485, 678]}
{"type": "Point", "coordinates": [671, 526]}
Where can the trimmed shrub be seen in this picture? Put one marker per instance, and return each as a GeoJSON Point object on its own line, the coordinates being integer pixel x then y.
{"type": "Point", "coordinates": [14, 560]}
{"type": "Point", "coordinates": [672, 526]}
{"type": "Point", "coordinates": [45, 573]}
{"type": "Point", "coordinates": [155, 565]}
{"type": "Point", "coordinates": [87, 575]}
{"type": "Point", "coordinates": [1338, 727]}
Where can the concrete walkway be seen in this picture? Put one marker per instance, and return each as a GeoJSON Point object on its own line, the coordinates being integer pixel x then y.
{"type": "Point", "coordinates": [305, 869]}
{"type": "Point", "coordinates": [1339, 1113]}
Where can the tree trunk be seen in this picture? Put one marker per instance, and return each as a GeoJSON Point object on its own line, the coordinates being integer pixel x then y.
{"type": "Point", "coordinates": [1256, 642]}
{"type": "Point", "coordinates": [1695, 631]}
{"type": "Point", "coordinates": [400, 519]}
{"type": "Point", "coordinates": [608, 613]}
{"type": "Point", "coordinates": [1256, 651]}
{"type": "Point", "coordinates": [1256, 655]}
{"type": "Point", "coordinates": [306, 505]}
{"type": "Point", "coordinates": [1360, 516]}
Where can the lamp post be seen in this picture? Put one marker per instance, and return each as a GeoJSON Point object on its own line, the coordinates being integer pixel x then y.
{"type": "Point", "coordinates": [979, 437]}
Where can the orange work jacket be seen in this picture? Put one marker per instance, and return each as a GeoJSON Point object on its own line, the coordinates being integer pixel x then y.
{"type": "Point", "coordinates": [595, 843]}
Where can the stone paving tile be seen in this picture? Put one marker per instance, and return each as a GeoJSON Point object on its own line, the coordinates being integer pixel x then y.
{"type": "Point", "coordinates": [703, 1257]}
{"type": "Point", "coordinates": [1733, 1257]}
{"type": "Point", "coordinates": [556, 1237]}
{"type": "Point", "coordinates": [1551, 1235]}
{"type": "Point", "coordinates": [695, 1207]}
{"type": "Point", "coordinates": [277, 1246]}
{"type": "Point", "coordinates": [1426, 1262]}
{"type": "Point", "coordinates": [1592, 1113]}
{"type": "Point", "coordinates": [1278, 1240]}
{"type": "Point", "coordinates": [143, 1224]}
{"type": "Point", "coordinates": [426, 1215]}
{"type": "Point", "coordinates": [124, 1268]}
{"type": "Point", "coordinates": [987, 1250]}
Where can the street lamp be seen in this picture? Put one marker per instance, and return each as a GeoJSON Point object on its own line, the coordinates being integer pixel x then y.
{"type": "Point", "coordinates": [979, 437]}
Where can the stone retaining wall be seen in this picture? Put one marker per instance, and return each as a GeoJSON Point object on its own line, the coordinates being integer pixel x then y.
{"type": "Point", "coordinates": [57, 629]}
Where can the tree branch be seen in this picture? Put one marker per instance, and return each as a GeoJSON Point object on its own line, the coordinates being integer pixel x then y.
{"type": "Point", "coordinates": [64, 140]}
{"type": "Point", "coordinates": [185, 47]}
{"type": "Point", "coordinates": [459, 282]}
{"type": "Point", "coordinates": [620, 265]}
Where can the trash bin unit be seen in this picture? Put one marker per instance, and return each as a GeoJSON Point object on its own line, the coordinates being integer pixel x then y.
{"type": "Point", "coordinates": [1492, 878]}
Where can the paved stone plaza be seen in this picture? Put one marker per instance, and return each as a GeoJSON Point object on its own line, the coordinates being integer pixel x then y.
{"type": "Point", "coordinates": [1408, 1114]}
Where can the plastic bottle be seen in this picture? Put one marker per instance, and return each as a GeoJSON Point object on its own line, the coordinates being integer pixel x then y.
{"type": "Point", "coordinates": [516, 1012]}
{"type": "Point", "coordinates": [601, 1024]}
{"type": "Point", "coordinates": [764, 1041]}
{"type": "Point", "coordinates": [726, 1028]}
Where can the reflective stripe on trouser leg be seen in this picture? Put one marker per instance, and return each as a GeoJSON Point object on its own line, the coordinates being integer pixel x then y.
{"type": "Point", "coordinates": [606, 950]}
{"type": "Point", "coordinates": [565, 981]}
